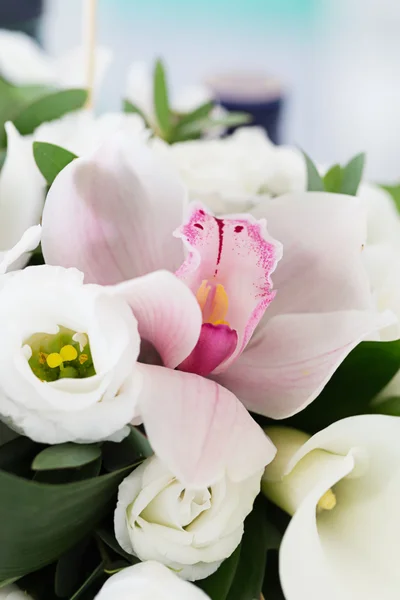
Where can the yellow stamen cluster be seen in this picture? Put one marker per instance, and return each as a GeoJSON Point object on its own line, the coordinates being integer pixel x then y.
{"type": "Point", "coordinates": [66, 354]}
{"type": "Point", "coordinates": [214, 311]}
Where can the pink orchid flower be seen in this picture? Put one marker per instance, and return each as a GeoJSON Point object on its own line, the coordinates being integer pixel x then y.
{"type": "Point", "coordinates": [113, 215]}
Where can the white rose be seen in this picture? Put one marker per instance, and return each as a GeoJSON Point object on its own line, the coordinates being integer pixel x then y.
{"type": "Point", "coordinates": [148, 581]}
{"type": "Point", "coordinates": [342, 487]}
{"type": "Point", "coordinates": [81, 132]}
{"type": "Point", "coordinates": [11, 592]}
{"type": "Point", "coordinates": [67, 357]}
{"type": "Point", "coordinates": [234, 173]}
{"type": "Point", "coordinates": [190, 530]}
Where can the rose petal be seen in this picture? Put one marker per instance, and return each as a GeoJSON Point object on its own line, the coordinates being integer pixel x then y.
{"type": "Point", "coordinates": [112, 215]}
{"type": "Point", "coordinates": [199, 429]}
{"type": "Point", "coordinates": [168, 313]}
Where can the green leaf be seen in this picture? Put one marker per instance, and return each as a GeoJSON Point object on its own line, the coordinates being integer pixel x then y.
{"type": "Point", "coordinates": [249, 576]}
{"type": "Point", "coordinates": [98, 572]}
{"type": "Point", "coordinates": [129, 107]}
{"type": "Point", "coordinates": [358, 380]}
{"type": "Point", "coordinates": [161, 101]}
{"type": "Point", "coordinates": [132, 450]}
{"type": "Point", "coordinates": [314, 180]}
{"type": "Point", "coordinates": [106, 534]}
{"type": "Point", "coordinates": [352, 174]}
{"type": "Point", "coordinates": [200, 112]}
{"type": "Point", "coordinates": [16, 455]}
{"type": "Point", "coordinates": [196, 129]}
{"type": "Point", "coordinates": [333, 179]}
{"type": "Point", "coordinates": [388, 406]}
{"type": "Point", "coordinates": [42, 521]}
{"type": "Point", "coordinates": [13, 99]}
{"type": "Point", "coordinates": [50, 107]}
{"type": "Point", "coordinates": [394, 191]}
{"type": "Point", "coordinates": [217, 586]}
{"type": "Point", "coordinates": [69, 568]}
{"type": "Point", "coordinates": [51, 159]}
{"type": "Point", "coordinates": [65, 456]}
{"type": "Point", "coordinates": [7, 582]}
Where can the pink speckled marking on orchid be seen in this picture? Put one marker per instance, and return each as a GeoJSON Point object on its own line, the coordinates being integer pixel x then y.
{"type": "Point", "coordinates": [236, 252]}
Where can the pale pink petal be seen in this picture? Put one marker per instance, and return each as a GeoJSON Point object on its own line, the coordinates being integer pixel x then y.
{"type": "Point", "coordinates": [215, 345]}
{"type": "Point", "coordinates": [112, 214]}
{"type": "Point", "coordinates": [199, 429]}
{"type": "Point", "coordinates": [292, 361]}
{"type": "Point", "coordinates": [323, 306]}
{"type": "Point", "coordinates": [167, 312]}
{"type": "Point", "coordinates": [322, 267]}
{"type": "Point", "coordinates": [236, 252]}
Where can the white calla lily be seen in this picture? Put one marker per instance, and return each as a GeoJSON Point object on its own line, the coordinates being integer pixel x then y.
{"type": "Point", "coordinates": [67, 358]}
{"type": "Point", "coordinates": [191, 530]}
{"type": "Point", "coordinates": [342, 487]}
{"type": "Point", "coordinates": [148, 580]}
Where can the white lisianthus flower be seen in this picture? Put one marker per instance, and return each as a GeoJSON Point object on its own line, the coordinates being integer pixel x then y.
{"type": "Point", "coordinates": [21, 192]}
{"type": "Point", "coordinates": [67, 357]}
{"type": "Point", "coordinates": [189, 530]}
{"type": "Point", "coordinates": [23, 62]}
{"type": "Point", "coordinates": [342, 487]}
{"type": "Point", "coordinates": [148, 580]}
{"type": "Point", "coordinates": [232, 174]}
{"type": "Point", "coordinates": [11, 592]}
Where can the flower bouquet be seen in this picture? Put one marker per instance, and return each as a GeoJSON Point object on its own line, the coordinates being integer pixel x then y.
{"type": "Point", "coordinates": [199, 356]}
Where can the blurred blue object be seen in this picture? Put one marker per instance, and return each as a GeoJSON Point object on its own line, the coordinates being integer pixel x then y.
{"type": "Point", "coordinates": [260, 96]}
{"type": "Point", "coordinates": [21, 15]}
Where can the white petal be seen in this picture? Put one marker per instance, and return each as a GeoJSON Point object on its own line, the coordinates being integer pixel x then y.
{"type": "Point", "coordinates": [22, 189]}
{"type": "Point", "coordinates": [351, 551]}
{"type": "Point", "coordinates": [22, 61]}
{"type": "Point", "coordinates": [148, 580]}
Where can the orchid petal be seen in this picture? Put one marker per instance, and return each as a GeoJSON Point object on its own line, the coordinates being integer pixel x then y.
{"type": "Point", "coordinates": [21, 189]}
{"type": "Point", "coordinates": [297, 354]}
{"type": "Point", "coordinates": [215, 345]}
{"type": "Point", "coordinates": [323, 307]}
{"type": "Point", "coordinates": [199, 429]}
{"type": "Point", "coordinates": [112, 215]}
{"type": "Point", "coordinates": [236, 252]}
{"type": "Point", "coordinates": [168, 314]}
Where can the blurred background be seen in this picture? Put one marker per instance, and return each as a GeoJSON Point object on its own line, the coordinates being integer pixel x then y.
{"type": "Point", "coordinates": [338, 61]}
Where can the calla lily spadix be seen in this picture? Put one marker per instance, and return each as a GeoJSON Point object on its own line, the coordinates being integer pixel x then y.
{"type": "Point", "coordinates": [342, 488]}
{"type": "Point", "coordinates": [113, 215]}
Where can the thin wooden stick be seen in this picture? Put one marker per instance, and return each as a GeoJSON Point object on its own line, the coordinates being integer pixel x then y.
{"type": "Point", "coordinates": [89, 40]}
